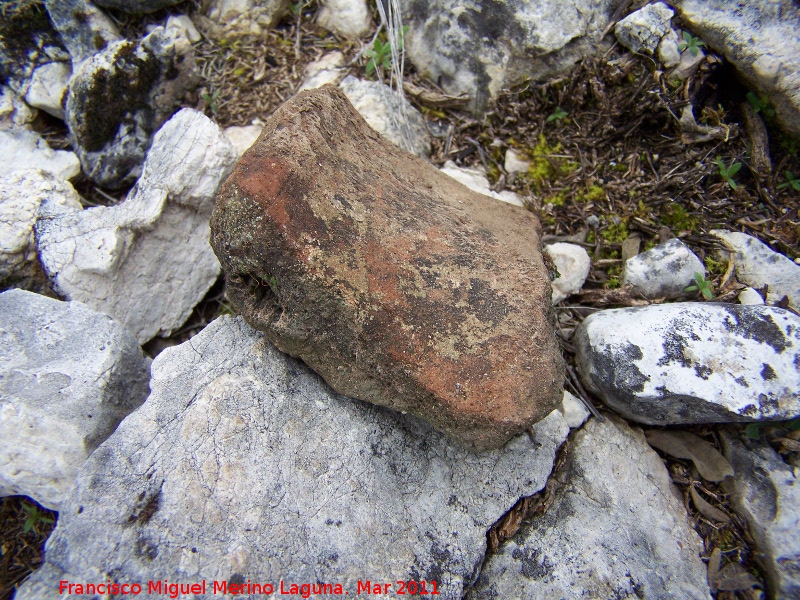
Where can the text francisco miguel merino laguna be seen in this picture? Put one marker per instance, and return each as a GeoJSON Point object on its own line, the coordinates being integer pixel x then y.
{"type": "Point", "coordinates": [304, 590]}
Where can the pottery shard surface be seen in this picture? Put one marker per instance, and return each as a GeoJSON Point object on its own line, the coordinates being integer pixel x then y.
{"type": "Point", "coordinates": [397, 284]}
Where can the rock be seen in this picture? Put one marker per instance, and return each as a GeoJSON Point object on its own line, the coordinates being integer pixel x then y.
{"type": "Point", "coordinates": [506, 42]}
{"type": "Point", "coordinates": [397, 284]}
{"type": "Point", "coordinates": [27, 41]}
{"type": "Point", "coordinates": [146, 261]}
{"type": "Point", "coordinates": [327, 69]}
{"type": "Point", "coordinates": [14, 113]}
{"type": "Point", "coordinates": [765, 491]}
{"type": "Point", "coordinates": [243, 465]}
{"type": "Point", "coordinates": [573, 264]}
{"type": "Point", "coordinates": [243, 137]}
{"type": "Point", "coordinates": [642, 30]}
{"type": "Point", "coordinates": [348, 18]}
{"type": "Point", "coordinates": [185, 24]}
{"type": "Point", "coordinates": [515, 163]}
{"type": "Point", "coordinates": [84, 28]}
{"type": "Point", "coordinates": [669, 52]}
{"type": "Point", "coordinates": [758, 265]}
{"type": "Point", "coordinates": [47, 87]}
{"type": "Point", "coordinates": [760, 39]}
{"type": "Point", "coordinates": [616, 529]}
{"type": "Point", "coordinates": [573, 410]}
{"type": "Point", "coordinates": [137, 7]}
{"type": "Point", "coordinates": [664, 271]}
{"type": "Point", "coordinates": [21, 194]}
{"type": "Point", "coordinates": [688, 65]}
{"type": "Point", "coordinates": [24, 149]}
{"type": "Point", "coordinates": [687, 363]}
{"type": "Point", "coordinates": [235, 18]}
{"type": "Point", "coordinates": [121, 96]}
{"type": "Point", "coordinates": [750, 296]}
{"type": "Point", "coordinates": [475, 179]}
{"type": "Point", "coordinates": [68, 376]}
{"type": "Point", "coordinates": [389, 114]}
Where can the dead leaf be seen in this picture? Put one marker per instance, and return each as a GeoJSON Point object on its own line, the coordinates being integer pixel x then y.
{"type": "Point", "coordinates": [711, 465]}
{"type": "Point", "coordinates": [694, 133]}
{"type": "Point", "coordinates": [713, 569]}
{"type": "Point", "coordinates": [707, 510]}
{"type": "Point", "coordinates": [434, 99]}
{"type": "Point", "coordinates": [731, 578]}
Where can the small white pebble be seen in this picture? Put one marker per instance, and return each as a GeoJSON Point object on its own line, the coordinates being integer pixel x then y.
{"type": "Point", "coordinates": [750, 296]}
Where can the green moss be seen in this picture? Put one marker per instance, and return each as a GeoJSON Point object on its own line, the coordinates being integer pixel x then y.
{"type": "Point", "coordinates": [714, 266]}
{"type": "Point", "coordinates": [546, 168]}
{"type": "Point", "coordinates": [616, 233]}
{"type": "Point", "coordinates": [614, 277]}
{"type": "Point", "coordinates": [592, 194]}
{"type": "Point", "coordinates": [675, 217]}
{"type": "Point", "coordinates": [557, 200]}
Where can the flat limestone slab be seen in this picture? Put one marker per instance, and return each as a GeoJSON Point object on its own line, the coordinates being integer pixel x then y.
{"type": "Point", "coordinates": [243, 465]}
{"type": "Point", "coordinates": [397, 284]}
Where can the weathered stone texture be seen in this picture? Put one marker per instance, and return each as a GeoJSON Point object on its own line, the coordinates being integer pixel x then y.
{"type": "Point", "coordinates": [397, 284]}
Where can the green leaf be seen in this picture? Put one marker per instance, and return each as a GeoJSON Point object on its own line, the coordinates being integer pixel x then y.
{"type": "Point", "coordinates": [734, 169]}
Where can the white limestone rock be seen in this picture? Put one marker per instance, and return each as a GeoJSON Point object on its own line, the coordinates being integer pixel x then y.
{"type": "Point", "coordinates": [574, 411]}
{"type": "Point", "coordinates": [120, 96]}
{"type": "Point", "coordinates": [616, 529]}
{"type": "Point", "coordinates": [688, 363]}
{"type": "Point", "coordinates": [760, 39]}
{"type": "Point", "coordinates": [515, 163]}
{"type": "Point", "coordinates": [573, 264]}
{"type": "Point", "coordinates": [232, 18]}
{"type": "Point", "coordinates": [642, 30]}
{"type": "Point", "coordinates": [244, 464]}
{"type": "Point", "coordinates": [328, 69]}
{"type": "Point", "coordinates": [14, 113]}
{"type": "Point", "coordinates": [668, 51]}
{"type": "Point", "coordinates": [664, 271]}
{"type": "Point", "coordinates": [47, 87]}
{"type": "Point", "coordinates": [243, 137]}
{"type": "Point", "coordinates": [24, 149]}
{"type": "Point", "coordinates": [765, 491]}
{"type": "Point", "coordinates": [68, 376]}
{"type": "Point", "coordinates": [750, 296]}
{"type": "Point", "coordinates": [348, 18]}
{"type": "Point", "coordinates": [388, 114]}
{"type": "Point", "coordinates": [476, 180]}
{"type": "Point", "coordinates": [480, 49]}
{"type": "Point", "coordinates": [758, 265]}
{"type": "Point", "coordinates": [21, 194]}
{"type": "Point", "coordinates": [185, 24]}
{"type": "Point", "coordinates": [147, 261]}
{"type": "Point", "coordinates": [137, 7]}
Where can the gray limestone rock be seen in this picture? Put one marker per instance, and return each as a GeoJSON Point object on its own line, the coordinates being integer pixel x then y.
{"type": "Point", "coordinates": [243, 465]}
{"type": "Point", "coordinates": [476, 180]}
{"type": "Point", "coordinates": [617, 529]}
{"type": "Point", "coordinates": [478, 47]}
{"type": "Point", "coordinates": [693, 362]}
{"type": "Point", "coordinates": [146, 261]}
{"type": "Point", "coordinates": [766, 492]}
{"type": "Point", "coordinates": [118, 98]}
{"type": "Point", "coordinates": [68, 376]}
{"type": "Point", "coordinates": [758, 265]}
{"type": "Point", "coordinates": [573, 264]}
{"type": "Point", "coordinates": [84, 28]}
{"type": "Point", "coordinates": [642, 30]}
{"type": "Point", "coordinates": [348, 18]}
{"type": "Point", "coordinates": [233, 18]}
{"type": "Point", "coordinates": [48, 86]}
{"type": "Point", "coordinates": [760, 39]}
{"type": "Point", "coordinates": [21, 195]}
{"type": "Point", "coordinates": [388, 114]}
{"type": "Point", "coordinates": [664, 271]}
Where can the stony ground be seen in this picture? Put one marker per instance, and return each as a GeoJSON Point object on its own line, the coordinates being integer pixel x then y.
{"type": "Point", "coordinates": [604, 141]}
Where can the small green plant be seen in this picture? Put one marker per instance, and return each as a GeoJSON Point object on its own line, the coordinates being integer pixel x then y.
{"type": "Point", "coordinates": [760, 104]}
{"type": "Point", "coordinates": [728, 172]}
{"type": "Point", "coordinates": [211, 100]}
{"type": "Point", "coordinates": [559, 114]}
{"type": "Point", "coordinates": [701, 285]}
{"type": "Point", "coordinates": [790, 182]}
{"type": "Point", "coordinates": [35, 516]}
{"type": "Point", "coordinates": [380, 55]}
{"type": "Point", "coordinates": [692, 43]}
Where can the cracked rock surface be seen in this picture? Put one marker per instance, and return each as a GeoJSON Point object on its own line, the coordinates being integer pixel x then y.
{"type": "Point", "coordinates": [243, 464]}
{"type": "Point", "coordinates": [394, 282]}
{"type": "Point", "coordinates": [617, 529]}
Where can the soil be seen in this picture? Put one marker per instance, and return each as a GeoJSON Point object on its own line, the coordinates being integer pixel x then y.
{"type": "Point", "coordinates": [610, 161]}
